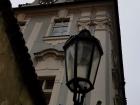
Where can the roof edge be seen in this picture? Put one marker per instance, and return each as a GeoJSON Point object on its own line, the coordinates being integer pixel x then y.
{"type": "Point", "coordinates": [120, 48]}
{"type": "Point", "coordinates": [60, 4]}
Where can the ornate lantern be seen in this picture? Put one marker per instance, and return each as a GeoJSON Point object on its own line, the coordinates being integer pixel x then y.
{"type": "Point", "coordinates": [82, 57]}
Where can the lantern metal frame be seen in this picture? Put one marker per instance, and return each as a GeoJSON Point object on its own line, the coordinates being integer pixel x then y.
{"type": "Point", "coordinates": [84, 35]}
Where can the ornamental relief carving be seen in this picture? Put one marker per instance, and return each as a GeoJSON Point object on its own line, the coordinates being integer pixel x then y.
{"type": "Point", "coordinates": [84, 23]}
{"type": "Point", "coordinates": [49, 59]}
{"type": "Point", "coordinates": [102, 23]}
{"type": "Point", "coordinates": [99, 23]}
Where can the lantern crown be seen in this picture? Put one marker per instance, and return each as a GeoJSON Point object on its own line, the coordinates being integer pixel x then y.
{"type": "Point", "coordinates": [83, 34]}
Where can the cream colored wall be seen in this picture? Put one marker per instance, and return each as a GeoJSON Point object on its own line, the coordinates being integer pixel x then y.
{"type": "Point", "coordinates": [99, 92]}
{"type": "Point", "coordinates": [52, 66]}
{"type": "Point", "coordinates": [103, 87]}
{"type": "Point", "coordinates": [82, 17]}
{"type": "Point", "coordinates": [33, 35]}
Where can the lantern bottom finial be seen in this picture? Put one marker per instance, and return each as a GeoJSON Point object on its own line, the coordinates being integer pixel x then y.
{"type": "Point", "coordinates": [80, 85]}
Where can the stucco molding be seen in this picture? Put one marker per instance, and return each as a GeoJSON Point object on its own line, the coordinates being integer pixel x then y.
{"type": "Point", "coordinates": [53, 52]}
{"type": "Point", "coordinates": [84, 23]}
{"type": "Point", "coordinates": [102, 22]}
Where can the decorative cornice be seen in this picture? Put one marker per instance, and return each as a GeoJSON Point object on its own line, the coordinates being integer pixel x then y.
{"type": "Point", "coordinates": [102, 23]}
{"type": "Point", "coordinates": [55, 38]}
{"type": "Point", "coordinates": [84, 23]}
{"type": "Point", "coordinates": [52, 51]}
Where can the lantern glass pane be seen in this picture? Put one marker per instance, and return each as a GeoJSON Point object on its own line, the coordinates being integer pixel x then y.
{"type": "Point", "coordinates": [83, 58]}
{"type": "Point", "coordinates": [83, 85]}
{"type": "Point", "coordinates": [95, 61]}
{"type": "Point", "coordinates": [70, 61]}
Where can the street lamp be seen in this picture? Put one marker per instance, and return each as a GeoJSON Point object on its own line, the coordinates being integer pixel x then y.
{"type": "Point", "coordinates": [82, 57]}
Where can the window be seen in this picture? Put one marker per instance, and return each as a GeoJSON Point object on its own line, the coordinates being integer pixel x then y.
{"type": "Point", "coordinates": [47, 84]}
{"type": "Point", "coordinates": [60, 27]}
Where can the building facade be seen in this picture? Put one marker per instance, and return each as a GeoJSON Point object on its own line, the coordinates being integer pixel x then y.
{"type": "Point", "coordinates": [47, 24]}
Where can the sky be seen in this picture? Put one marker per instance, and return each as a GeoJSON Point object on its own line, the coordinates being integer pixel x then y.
{"type": "Point", "coordinates": [130, 33]}
{"type": "Point", "coordinates": [129, 13]}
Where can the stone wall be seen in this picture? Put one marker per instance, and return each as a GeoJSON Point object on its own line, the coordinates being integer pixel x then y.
{"type": "Point", "coordinates": [12, 89]}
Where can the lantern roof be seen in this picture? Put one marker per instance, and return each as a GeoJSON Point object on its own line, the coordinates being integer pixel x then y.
{"type": "Point", "coordinates": [83, 35]}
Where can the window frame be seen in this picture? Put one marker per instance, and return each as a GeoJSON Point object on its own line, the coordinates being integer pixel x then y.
{"type": "Point", "coordinates": [46, 91]}
{"type": "Point", "coordinates": [44, 80]}
{"type": "Point", "coordinates": [62, 22]}
{"type": "Point", "coordinates": [49, 30]}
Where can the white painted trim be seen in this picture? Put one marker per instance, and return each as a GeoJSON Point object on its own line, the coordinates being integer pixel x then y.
{"type": "Point", "coordinates": [52, 23]}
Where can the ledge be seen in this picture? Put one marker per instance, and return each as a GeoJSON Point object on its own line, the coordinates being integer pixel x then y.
{"type": "Point", "coordinates": [60, 37]}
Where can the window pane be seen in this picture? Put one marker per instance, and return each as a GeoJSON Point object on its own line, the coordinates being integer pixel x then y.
{"type": "Point", "coordinates": [59, 31]}
{"type": "Point", "coordinates": [56, 31]}
{"type": "Point", "coordinates": [63, 30]}
{"type": "Point", "coordinates": [83, 60]}
{"type": "Point", "coordinates": [65, 23]}
{"type": "Point", "coordinates": [70, 61]}
{"type": "Point", "coordinates": [41, 82]}
{"type": "Point", "coordinates": [96, 58]}
{"type": "Point", "coordinates": [58, 24]}
{"type": "Point", "coordinates": [60, 27]}
{"type": "Point", "coordinates": [49, 82]}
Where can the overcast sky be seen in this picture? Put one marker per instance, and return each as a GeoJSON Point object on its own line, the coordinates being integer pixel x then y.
{"type": "Point", "coordinates": [129, 11]}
